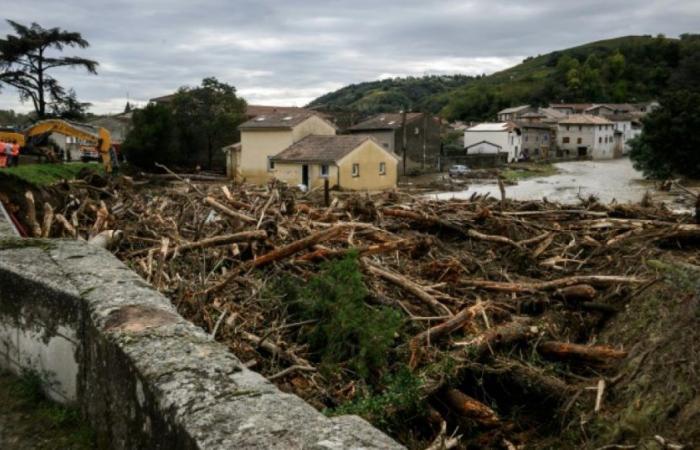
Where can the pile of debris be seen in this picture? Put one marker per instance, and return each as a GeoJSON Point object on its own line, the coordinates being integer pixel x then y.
{"type": "Point", "coordinates": [499, 301]}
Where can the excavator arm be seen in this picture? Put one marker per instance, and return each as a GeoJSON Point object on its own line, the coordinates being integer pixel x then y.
{"type": "Point", "coordinates": [97, 135]}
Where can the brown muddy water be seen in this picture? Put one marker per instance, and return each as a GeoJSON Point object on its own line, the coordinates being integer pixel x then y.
{"type": "Point", "coordinates": [611, 180]}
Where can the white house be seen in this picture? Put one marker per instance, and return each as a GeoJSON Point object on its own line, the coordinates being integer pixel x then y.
{"type": "Point", "coordinates": [585, 135]}
{"type": "Point", "coordinates": [628, 126]}
{"type": "Point", "coordinates": [501, 137]}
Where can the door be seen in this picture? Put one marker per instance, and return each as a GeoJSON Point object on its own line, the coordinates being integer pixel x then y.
{"type": "Point", "coordinates": [305, 175]}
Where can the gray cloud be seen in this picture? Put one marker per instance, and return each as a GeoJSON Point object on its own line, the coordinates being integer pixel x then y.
{"type": "Point", "coordinates": [288, 52]}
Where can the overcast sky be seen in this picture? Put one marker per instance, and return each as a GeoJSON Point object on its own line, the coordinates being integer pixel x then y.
{"type": "Point", "coordinates": [289, 52]}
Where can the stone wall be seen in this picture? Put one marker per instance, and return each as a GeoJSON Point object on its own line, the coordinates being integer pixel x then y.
{"type": "Point", "coordinates": [143, 376]}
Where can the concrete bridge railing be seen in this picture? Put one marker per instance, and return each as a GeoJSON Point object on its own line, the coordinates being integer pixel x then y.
{"type": "Point", "coordinates": [144, 377]}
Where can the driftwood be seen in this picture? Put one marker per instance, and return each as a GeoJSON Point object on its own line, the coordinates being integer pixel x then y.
{"type": "Point", "coordinates": [228, 211]}
{"type": "Point", "coordinates": [471, 408]}
{"type": "Point", "coordinates": [411, 287]}
{"type": "Point", "coordinates": [31, 215]}
{"type": "Point", "coordinates": [216, 241]}
{"type": "Point", "coordinates": [48, 220]}
{"type": "Point", "coordinates": [596, 354]}
{"type": "Point", "coordinates": [600, 280]}
{"type": "Point", "coordinates": [577, 292]}
{"type": "Point", "coordinates": [509, 333]}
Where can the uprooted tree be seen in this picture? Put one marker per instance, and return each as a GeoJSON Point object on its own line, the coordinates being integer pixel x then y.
{"type": "Point", "coordinates": [27, 60]}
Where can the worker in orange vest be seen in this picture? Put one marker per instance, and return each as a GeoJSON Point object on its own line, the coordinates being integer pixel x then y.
{"type": "Point", "coordinates": [15, 154]}
{"type": "Point", "coordinates": [3, 156]}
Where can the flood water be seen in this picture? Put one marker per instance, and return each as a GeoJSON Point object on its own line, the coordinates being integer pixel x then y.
{"type": "Point", "coordinates": [610, 180]}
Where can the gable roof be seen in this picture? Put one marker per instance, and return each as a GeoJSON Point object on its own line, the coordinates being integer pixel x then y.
{"type": "Point", "coordinates": [576, 107]}
{"type": "Point", "coordinates": [585, 119]}
{"type": "Point", "coordinates": [482, 142]}
{"type": "Point", "coordinates": [514, 109]}
{"type": "Point", "coordinates": [278, 120]}
{"type": "Point", "coordinates": [388, 121]}
{"type": "Point", "coordinates": [493, 126]}
{"type": "Point", "coordinates": [321, 149]}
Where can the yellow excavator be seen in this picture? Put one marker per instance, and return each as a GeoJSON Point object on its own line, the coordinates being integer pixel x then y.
{"type": "Point", "coordinates": [97, 136]}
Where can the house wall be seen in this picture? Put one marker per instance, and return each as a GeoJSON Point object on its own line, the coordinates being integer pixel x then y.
{"type": "Point", "coordinates": [598, 140]}
{"type": "Point", "coordinates": [422, 144]}
{"type": "Point", "coordinates": [258, 145]}
{"type": "Point", "coordinates": [483, 148]}
{"type": "Point", "coordinates": [508, 140]}
{"type": "Point", "coordinates": [385, 138]}
{"type": "Point", "coordinates": [368, 156]}
{"type": "Point", "coordinates": [291, 173]}
{"type": "Point", "coordinates": [537, 142]}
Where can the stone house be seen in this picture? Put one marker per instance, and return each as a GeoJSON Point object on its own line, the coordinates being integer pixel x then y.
{"type": "Point", "coordinates": [538, 139]}
{"type": "Point", "coordinates": [267, 135]}
{"type": "Point", "coordinates": [421, 133]}
{"type": "Point", "coordinates": [586, 136]}
{"type": "Point", "coordinates": [513, 113]}
{"type": "Point", "coordinates": [349, 162]}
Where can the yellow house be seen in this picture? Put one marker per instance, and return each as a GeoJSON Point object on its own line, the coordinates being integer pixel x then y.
{"type": "Point", "coordinates": [351, 162]}
{"type": "Point", "coordinates": [268, 134]}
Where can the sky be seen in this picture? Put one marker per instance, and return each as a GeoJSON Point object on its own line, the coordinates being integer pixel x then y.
{"type": "Point", "coordinates": [289, 52]}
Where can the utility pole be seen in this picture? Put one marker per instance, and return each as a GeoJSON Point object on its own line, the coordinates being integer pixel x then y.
{"type": "Point", "coordinates": [403, 145]}
{"type": "Point", "coordinates": [425, 136]}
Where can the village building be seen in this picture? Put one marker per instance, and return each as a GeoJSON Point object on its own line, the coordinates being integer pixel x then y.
{"type": "Point", "coordinates": [513, 113]}
{"type": "Point", "coordinates": [267, 135]}
{"type": "Point", "coordinates": [570, 108]}
{"type": "Point", "coordinates": [627, 126]}
{"type": "Point", "coordinates": [498, 137]}
{"type": "Point", "coordinates": [421, 133]}
{"type": "Point", "coordinates": [586, 136]}
{"type": "Point", "coordinates": [349, 162]}
{"type": "Point", "coordinates": [537, 139]}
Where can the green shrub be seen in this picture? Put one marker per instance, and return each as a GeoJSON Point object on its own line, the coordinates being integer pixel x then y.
{"type": "Point", "coordinates": [347, 331]}
{"type": "Point", "coordinates": [399, 401]}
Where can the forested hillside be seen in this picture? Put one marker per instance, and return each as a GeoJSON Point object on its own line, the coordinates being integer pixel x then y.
{"type": "Point", "coordinates": [625, 69]}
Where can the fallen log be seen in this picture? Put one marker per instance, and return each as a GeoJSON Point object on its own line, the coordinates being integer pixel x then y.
{"type": "Point", "coordinates": [577, 292]}
{"type": "Point", "coordinates": [31, 215]}
{"type": "Point", "coordinates": [211, 201]}
{"type": "Point", "coordinates": [471, 408]}
{"type": "Point", "coordinates": [493, 238]}
{"type": "Point", "coordinates": [423, 218]}
{"type": "Point", "coordinates": [326, 253]}
{"type": "Point", "coordinates": [297, 246]}
{"type": "Point", "coordinates": [415, 289]}
{"type": "Point", "coordinates": [509, 333]}
{"type": "Point", "coordinates": [60, 218]}
{"type": "Point", "coordinates": [596, 354]}
{"type": "Point", "coordinates": [245, 236]}
{"type": "Point", "coordinates": [48, 220]}
{"type": "Point", "coordinates": [531, 287]}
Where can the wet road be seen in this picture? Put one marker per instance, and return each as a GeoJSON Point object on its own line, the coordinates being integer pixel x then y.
{"type": "Point", "coordinates": [608, 180]}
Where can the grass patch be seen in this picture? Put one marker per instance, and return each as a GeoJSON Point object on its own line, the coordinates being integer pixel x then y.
{"type": "Point", "coordinates": [521, 171]}
{"type": "Point", "coordinates": [46, 174]}
{"type": "Point", "coordinates": [33, 421]}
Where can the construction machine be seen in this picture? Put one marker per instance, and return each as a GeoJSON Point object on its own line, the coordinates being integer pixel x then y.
{"type": "Point", "coordinates": [98, 138]}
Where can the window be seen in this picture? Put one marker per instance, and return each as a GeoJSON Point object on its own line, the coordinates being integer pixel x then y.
{"type": "Point", "coordinates": [565, 140]}
{"type": "Point", "coordinates": [385, 144]}
{"type": "Point", "coordinates": [416, 131]}
{"type": "Point", "coordinates": [356, 170]}
{"type": "Point", "coordinates": [270, 164]}
{"type": "Point", "coordinates": [578, 141]}
{"type": "Point", "coordinates": [600, 127]}
{"type": "Point", "coordinates": [567, 128]}
{"type": "Point", "coordinates": [600, 140]}
{"type": "Point", "coordinates": [546, 137]}
{"type": "Point", "coordinates": [382, 168]}
{"type": "Point", "coordinates": [324, 170]}
{"type": "Point", "coordinates": [526, 138]}
{"type": "Point", "coordinates": [580, 128]}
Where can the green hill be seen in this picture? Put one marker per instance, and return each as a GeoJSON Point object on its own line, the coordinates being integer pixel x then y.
{"type": "Point", "coordinates": [625, 69]}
